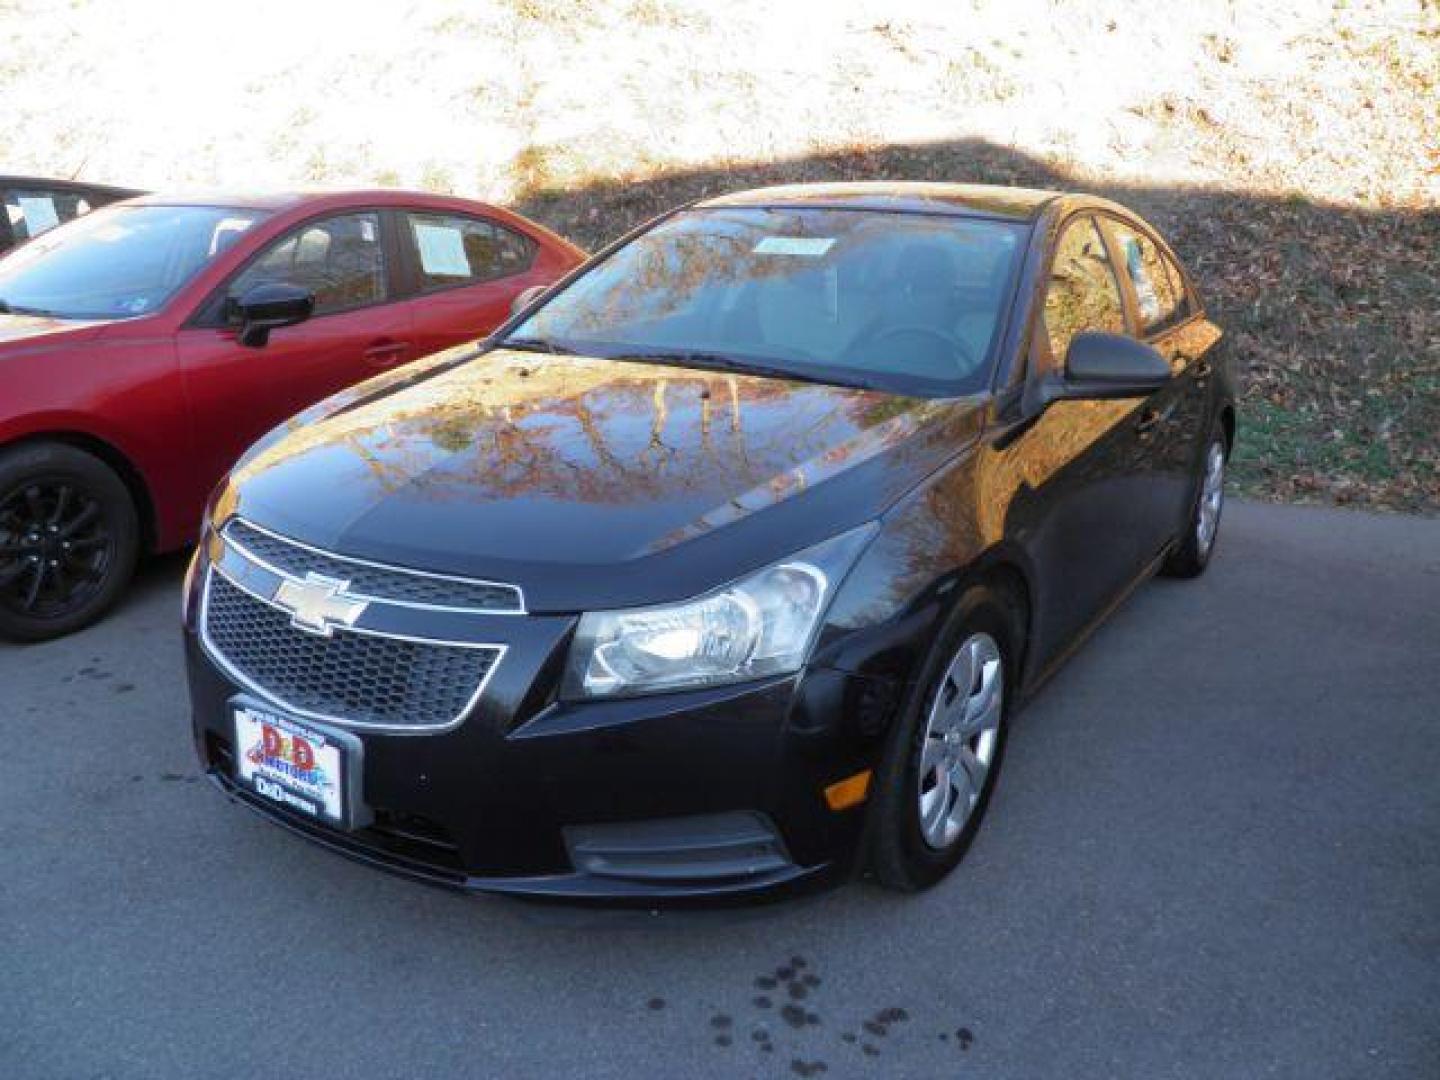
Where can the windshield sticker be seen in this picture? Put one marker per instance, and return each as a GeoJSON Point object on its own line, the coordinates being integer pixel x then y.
{"type": "Point", "coordinates": [810, 247]}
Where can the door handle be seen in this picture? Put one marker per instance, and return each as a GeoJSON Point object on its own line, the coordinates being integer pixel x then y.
{"type": "Point", "coordinates": [385, 353]}
{"type": "Point", "coordinates": [1151, 419]}
{"type": "Point", "coordinates": [1199, 366]}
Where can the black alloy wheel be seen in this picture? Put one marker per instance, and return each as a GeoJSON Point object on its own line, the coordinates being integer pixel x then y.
{"type": "Point", "coordinates": [68, 540]}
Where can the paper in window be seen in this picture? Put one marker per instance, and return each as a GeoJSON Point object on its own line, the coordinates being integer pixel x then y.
{"type": "Point", "coordinates": [809, 246]}
{"type": "Point", "coordinates": [442, 251]}
{"type": "Point", "coordinates": [39, 211]}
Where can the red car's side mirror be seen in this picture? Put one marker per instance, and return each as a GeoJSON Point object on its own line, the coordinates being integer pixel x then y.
{"type": "Point", "coordinates": [269, 307]}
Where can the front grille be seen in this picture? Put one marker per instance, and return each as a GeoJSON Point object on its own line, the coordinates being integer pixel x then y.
{"type": "Point", "coordinates": [349, 676]}
{"type": "Point", "coordinates": [391, 583]}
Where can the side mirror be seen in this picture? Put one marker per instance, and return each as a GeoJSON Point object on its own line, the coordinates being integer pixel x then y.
{"type": "Point", "coordinates": [269, 307]}
{"type": "Point", "coordinates": [527, 297]}
{"type": "Point", "coordinates": [1101, 366]}
{"type": "Point", "coordinates": [1114, 365]}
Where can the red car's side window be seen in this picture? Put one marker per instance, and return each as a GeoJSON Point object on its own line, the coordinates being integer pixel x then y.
{"type": "Point", "coordinates": [451, 250]}
{"type": "Point", "coordinates": [340, 259]}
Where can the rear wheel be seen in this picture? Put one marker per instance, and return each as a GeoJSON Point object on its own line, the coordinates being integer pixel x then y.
{"type": "Point", "coordinates": [69, 540]}
{"type": "Point", "coordinates": [945, 754]}
{"type": "Point", "coordinates": [1198, 543]}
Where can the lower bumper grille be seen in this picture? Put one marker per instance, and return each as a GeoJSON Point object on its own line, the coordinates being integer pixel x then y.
{"type": "Point", "coordinates": [708, 847]}
{"type": "Point", "coordinates": [350, 676]}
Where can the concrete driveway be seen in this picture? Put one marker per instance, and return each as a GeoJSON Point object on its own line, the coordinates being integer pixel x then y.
{"type": "Point", "coordinates": [1215, 852]}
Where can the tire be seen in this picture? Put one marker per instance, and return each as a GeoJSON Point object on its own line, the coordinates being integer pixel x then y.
{"type": "Point", "coordinates": [69, 540]}
{"type": "Point", "coordinates": [1197, 543]}
{"type": "Point", "coordinates": [906, 853]}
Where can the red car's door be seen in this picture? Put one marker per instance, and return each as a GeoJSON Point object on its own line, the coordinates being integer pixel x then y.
{"type": "Point", "coordinates": [237, 393]}
{"type": "Point", "coordinates": [465, 272]}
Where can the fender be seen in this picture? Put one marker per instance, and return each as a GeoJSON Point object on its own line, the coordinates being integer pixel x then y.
{"type": "Point", "coordinates": [90, 433]}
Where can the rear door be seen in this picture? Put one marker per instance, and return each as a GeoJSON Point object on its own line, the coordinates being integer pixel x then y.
{"type": "Point", "coordinates": [236, 393]}
{"type": "Point", "coordinates": [464, 271]}
{"type": "Point", "coordinates": [1172, 418]}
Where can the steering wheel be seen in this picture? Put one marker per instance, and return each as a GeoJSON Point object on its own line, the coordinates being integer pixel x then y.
{"type": "Point", "coordinates": [946, 339]}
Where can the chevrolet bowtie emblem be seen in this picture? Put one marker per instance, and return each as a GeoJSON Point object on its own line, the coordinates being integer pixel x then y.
{"type": "Point", "coordinates": [319, 604]}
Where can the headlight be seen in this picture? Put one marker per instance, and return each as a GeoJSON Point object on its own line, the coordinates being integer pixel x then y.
{"type": "Point", "coordinates": [761, 625]}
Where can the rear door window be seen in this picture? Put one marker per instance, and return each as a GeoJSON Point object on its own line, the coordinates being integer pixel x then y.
{"type": "Point", "coordinates": [450, 250]}
{"type": "Point", "coordinates": [1083, 293]}
{"type": "Point", "coordinates": [1159, 292]}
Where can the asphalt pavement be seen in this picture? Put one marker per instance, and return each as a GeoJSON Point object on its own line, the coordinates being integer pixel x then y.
{"type": "Point", "coordinates": [1214, 852]}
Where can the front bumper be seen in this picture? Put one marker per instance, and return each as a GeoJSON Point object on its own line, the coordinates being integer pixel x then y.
{"type": "Point", "coordinates": [720, 791]}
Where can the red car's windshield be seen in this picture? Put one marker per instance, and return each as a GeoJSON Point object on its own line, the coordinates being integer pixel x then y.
{"type": "Point", "coordinates": [119, 262]}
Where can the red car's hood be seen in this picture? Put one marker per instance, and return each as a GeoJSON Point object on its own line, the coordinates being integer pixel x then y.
{"type": "Point", "coordinates": [26, 327]}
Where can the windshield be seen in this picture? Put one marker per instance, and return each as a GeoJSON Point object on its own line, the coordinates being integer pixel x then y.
{"type": "Point", "coordinates": [118, 262]}
{"type": "Point", "coordinates": [904, 302]}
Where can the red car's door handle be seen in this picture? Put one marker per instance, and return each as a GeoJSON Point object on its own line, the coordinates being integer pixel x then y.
{"type": "Point", "coordinates": [385, 353]}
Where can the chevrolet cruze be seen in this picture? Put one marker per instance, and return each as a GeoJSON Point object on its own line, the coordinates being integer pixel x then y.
{"type": "Point", "coordinates": [720, 569]}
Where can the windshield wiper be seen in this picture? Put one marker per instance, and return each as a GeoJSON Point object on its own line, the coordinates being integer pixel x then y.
{"type": "Point", "coordinates": [6, 308]}
{"type": "Point", "coordinates": [723, 362]}
{"type": "Point", "coordinates": [540, 345]}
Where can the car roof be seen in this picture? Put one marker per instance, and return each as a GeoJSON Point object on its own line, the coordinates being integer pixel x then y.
{"type": "Point", "coordinates": [970, 200]}
{"type": "Point", "coordinates": [67, 185]}
{"type": "Point", "coordinates": [274, 201]}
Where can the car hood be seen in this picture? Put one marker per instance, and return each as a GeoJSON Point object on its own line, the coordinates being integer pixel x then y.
{"type": "Point", "coordinates": [43, 330]}
{"type": "Point", "coordinates": [591, 482]}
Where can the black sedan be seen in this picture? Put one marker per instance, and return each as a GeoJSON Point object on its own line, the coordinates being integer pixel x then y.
{"type": "Point", "coordinates": [720, 569]}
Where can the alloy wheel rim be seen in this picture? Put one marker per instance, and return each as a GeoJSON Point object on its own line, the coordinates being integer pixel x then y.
{"type": "Point", "coordinates": [961, 734]}
{"type": "Point", "coordinates": [1212, 497]}
{"type": "Point", "coordinates": [55, 547]}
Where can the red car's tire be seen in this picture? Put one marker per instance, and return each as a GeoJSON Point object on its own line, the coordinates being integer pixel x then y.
{"type": "Point", "coordinates": [69, 540]}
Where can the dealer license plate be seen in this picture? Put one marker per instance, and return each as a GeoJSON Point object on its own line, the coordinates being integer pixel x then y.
{"type": "Point", "coordinates": [292, 764]}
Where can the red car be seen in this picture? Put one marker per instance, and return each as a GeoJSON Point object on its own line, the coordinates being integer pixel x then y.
{"type": "Point", "coordinates": [144, 346]}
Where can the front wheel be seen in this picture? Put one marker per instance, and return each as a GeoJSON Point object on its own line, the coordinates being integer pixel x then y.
{"type": "Point", "coordinates": [1198, 542]}
{"type": "Point", "coordinates": [945, 753]}
{"type": "Point", "coordinates": [69, 540]}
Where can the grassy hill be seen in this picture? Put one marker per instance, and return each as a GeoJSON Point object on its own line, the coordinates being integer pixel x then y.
{"type": "Point", "coordinates": [1291, 150]}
